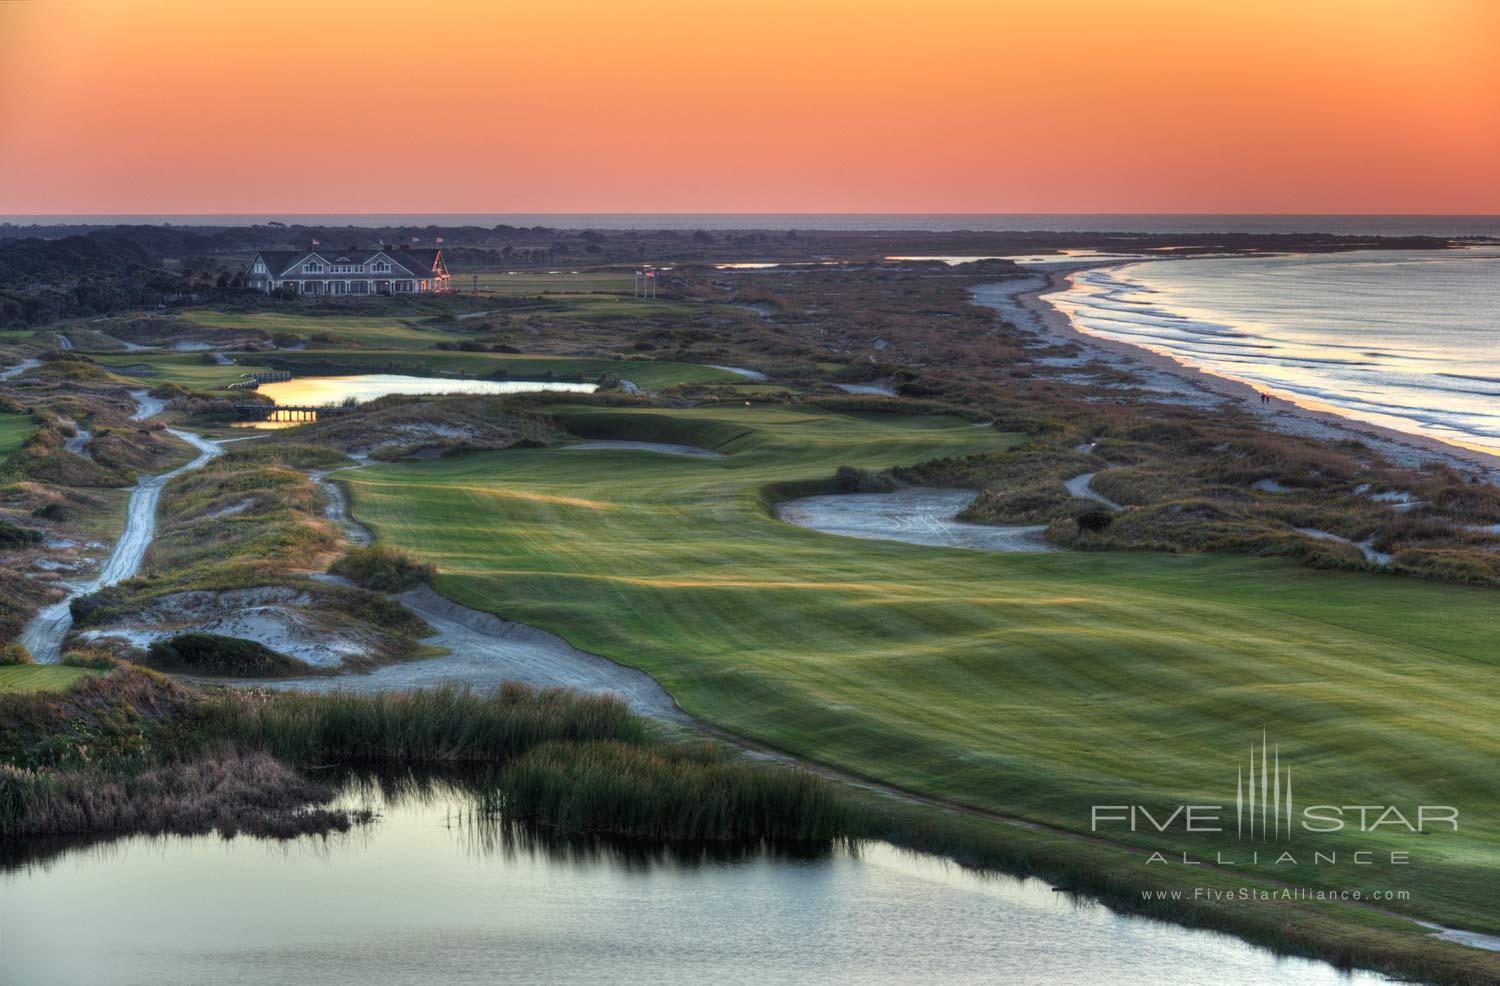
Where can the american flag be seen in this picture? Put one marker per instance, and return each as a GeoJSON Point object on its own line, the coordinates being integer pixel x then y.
{"type": "Point", "coordinates": [415, 240]}
{"type": "Point", "coordinates": [316, 243]}
{"type": "Point", "coordinates": [440, 239]}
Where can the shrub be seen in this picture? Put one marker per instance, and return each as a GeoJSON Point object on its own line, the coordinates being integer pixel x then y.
{"type": "Point", "coordinates": [54, 511]}
{"type": "Point", "coordinates": [383, 569]}
{"type": "Point", "coordinates": [15, 536]}
{"type": "Point", "coordinates": [852, 480]}
{"type": "Point", "coordinates": [208, 653]}
{"type": "Point", "coordinates": [13, 654]}
{"type": "Point", "coordinates": [1094, 521]}
{"type": "Point", "coordinates": [94, 660]}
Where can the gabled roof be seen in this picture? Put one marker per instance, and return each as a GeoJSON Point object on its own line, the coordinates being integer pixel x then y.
{"type": "Point", "coordinates": [418, 263]}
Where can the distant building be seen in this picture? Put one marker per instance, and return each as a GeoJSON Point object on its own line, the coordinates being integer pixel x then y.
{"type": "Point", "coordinates": [342, 272]}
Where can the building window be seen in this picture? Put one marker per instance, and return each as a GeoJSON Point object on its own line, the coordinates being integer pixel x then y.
{"type": "Point", "coordinates": [381, 267]}
{"type": "Point", "coordinates": [359, 287]}
{"type": "Point", "coordinates": [312, 267]}
{"type": "Point", "coordinates": [260, 268]}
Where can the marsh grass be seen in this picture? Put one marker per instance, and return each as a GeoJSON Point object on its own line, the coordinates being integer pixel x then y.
{"type": "Point", "coordinates": [226, 793]}
{"type": "Point", "coordinates": [433, 725]}
{"type": "Point", "coordinates": [690, 792]}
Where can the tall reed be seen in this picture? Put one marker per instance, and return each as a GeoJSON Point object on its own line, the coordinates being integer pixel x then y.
{"type": "Point", "coordinates": [690, 792]}
{"type": "Point", "coordinates": [439, 724]}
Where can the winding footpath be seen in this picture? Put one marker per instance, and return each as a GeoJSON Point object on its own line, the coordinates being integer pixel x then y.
{"type": "Point", "coordinates": [1079, 487]}
{"type": "Point", "coordinates": [44, 635]}
{"type": "Point", "coordinates": [11, 372]}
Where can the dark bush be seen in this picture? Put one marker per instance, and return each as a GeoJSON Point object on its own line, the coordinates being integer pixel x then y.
{"type": "Point", "coordinates": [53, 511]}
{"type": "Point", "coordinates": [15, 536]}
{"type": "Point", "coordinates": [208, 653]}
{"type": "Point", "coordinates": [1094, 521]}
{"type": "Point", "coordinates": [852, 480]}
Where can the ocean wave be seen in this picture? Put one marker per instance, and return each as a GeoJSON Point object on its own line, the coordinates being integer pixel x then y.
{"type": "Point", "coordinates": [1418, 331]}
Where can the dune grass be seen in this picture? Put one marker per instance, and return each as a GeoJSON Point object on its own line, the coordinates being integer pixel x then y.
{"type": "Point", "coordinates": [1034, 685]}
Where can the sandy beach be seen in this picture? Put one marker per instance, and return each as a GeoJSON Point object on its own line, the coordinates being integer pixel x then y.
{"type": "Point", "coordinates": [1180, 382]}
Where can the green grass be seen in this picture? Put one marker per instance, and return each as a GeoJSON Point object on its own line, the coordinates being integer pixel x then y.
{"type": "Point", "coordinates": [39, 677]}
{"type": "Point", "coordinates": [364, 330]}
{"type": "Point", "coordinates": [650, 374]}
{"type": "Point", "coordinates": [560, 282]}
{"type": "Point", "coordinates": [1035, 685]}
{"type": "Point", "coordinates": [15, 431]}
{"type": "Point", "coordinates": [187, 369]}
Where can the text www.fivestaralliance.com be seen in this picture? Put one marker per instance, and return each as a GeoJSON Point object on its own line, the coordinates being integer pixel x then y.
{"type": "Point", "coordinates": [1280, 893]}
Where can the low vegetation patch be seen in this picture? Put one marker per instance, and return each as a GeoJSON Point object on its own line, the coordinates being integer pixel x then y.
{"type": "Point", "coordinates": [219, 656]}
{"type": "Point", "coordinates": [383, 569]}
{"type": "Point", "coordinates": [14, 654]}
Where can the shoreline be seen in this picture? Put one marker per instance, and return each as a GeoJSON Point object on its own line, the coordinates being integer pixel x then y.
{"type": "Point", "coordinates": [1282, 414]}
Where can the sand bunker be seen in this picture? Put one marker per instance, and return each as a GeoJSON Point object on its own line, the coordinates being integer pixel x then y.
{"type": "Point", "coordinates": [870, 389]}
{"type": "Point", "coordinates": [283, 618]}
{"type": "Point", "coordinates": [914, 516]}
{"type": "Point", "coordinates": [753, 375]}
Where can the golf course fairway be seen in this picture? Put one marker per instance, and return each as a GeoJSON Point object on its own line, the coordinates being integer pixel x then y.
{"type": "Point", "coordinates": [1034, 685]}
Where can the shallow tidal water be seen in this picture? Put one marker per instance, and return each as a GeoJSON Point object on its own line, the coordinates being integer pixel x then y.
{"type": "Point", "coordinates": [417, 897]}
{"type": "Point", "coordinates": [1405, 339]}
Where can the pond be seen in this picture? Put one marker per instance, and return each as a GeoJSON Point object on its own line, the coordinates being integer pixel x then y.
{"type": "Point", "coordinates": [368, 386]}
{"type": "Point", "coordinates": [319, 391]}
{"type": "Point", "coordinates": [424, 894]}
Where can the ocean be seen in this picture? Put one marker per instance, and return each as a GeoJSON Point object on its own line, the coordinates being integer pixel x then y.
{"type": "Point", "coordinates": [940, 222]}
{"type": "Point", "coordinates": [1408, 340]}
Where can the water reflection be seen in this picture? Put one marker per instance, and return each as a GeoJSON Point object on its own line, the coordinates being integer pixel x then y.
{"type": "Point", "coordinates": [437, 891]}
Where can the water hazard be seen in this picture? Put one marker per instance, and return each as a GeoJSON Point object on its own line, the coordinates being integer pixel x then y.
{"type": "Point", "coordinates": [426, 894]}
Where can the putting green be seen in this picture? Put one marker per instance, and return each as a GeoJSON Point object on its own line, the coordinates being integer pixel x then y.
{"type": "Point", "coordinates": [363, 330]}
{"type": "Point", "coordinates": [560, 282]}
{"type": "Point", "coordinates": [1036, 685]}
{"type": "Point", "coordinates": [193, 370]}
{"type": "Point", "coordinates": [15, 430]}
{"type": "Point", "coordinates": [39, 677]}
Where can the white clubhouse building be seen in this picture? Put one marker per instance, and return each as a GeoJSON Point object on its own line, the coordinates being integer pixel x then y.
{"type": "Point", "coordinates": [358, 272]}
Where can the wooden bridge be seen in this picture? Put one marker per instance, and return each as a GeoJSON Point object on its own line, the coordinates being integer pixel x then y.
{"type": "Point", "coordinates": [286, 412]}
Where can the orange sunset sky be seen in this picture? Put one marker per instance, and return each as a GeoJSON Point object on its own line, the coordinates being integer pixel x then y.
{"type": "Point", "coordinates": [1307, 106]}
